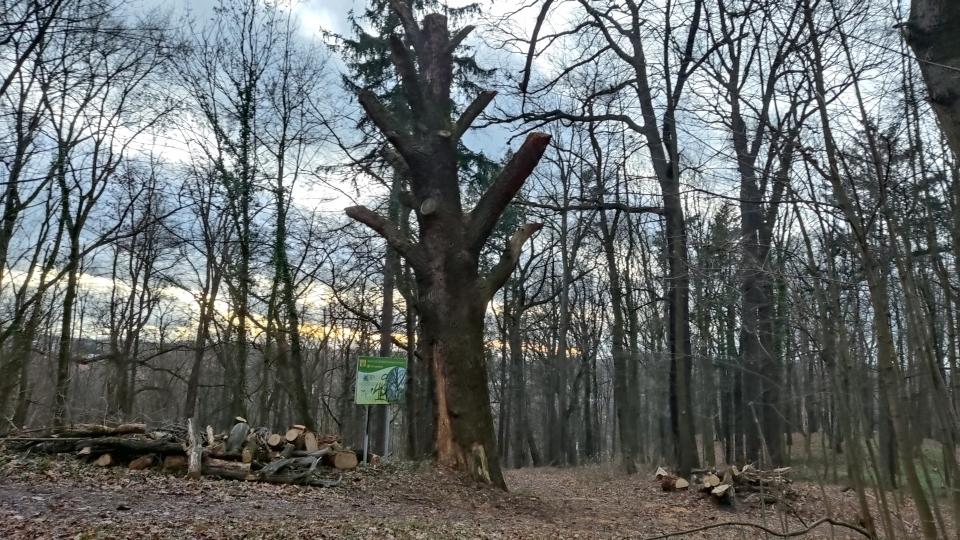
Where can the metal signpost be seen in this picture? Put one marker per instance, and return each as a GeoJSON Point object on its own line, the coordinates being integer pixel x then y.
{"type": "Point", "coordinates": [380, 381]}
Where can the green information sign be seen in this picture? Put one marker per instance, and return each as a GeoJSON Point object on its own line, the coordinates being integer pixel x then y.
{"type": "Point", "coordinates": [380, 381]}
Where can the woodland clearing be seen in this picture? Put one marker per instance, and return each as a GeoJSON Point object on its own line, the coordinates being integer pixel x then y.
{"type": "Point", "coordinates": [42, 497]}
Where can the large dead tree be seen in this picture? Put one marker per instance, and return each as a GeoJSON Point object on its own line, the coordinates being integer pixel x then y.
{"type": "Point", "coordinates": [932, 32]}
{"type": "Point", "coordinates": [452, 293]}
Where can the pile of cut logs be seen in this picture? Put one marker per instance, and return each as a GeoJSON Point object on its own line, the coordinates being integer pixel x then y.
{"type": "Point", "coordinates": [297, 456]}
{"type": "Point", "coordinates": [724, 484]}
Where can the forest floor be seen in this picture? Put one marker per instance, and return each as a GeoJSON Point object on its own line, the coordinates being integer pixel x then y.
{"type": "Point", "coordinates": [64, 498]}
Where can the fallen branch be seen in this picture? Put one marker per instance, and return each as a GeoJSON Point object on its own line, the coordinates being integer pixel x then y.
{"type": "Point", "coordinates": [229, 471]}
{"type": "Point", "coordinates": [788, 534]}
{"type": "Point", "coordinates": [93, 430]}
{"type": "Point", "coordinates": [128, 447]}
{"type": "Point", "coordinates": [303, 480]}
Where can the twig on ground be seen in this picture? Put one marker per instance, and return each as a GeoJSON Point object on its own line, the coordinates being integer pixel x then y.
{"type": "Point", "coordinates": [788, 534]}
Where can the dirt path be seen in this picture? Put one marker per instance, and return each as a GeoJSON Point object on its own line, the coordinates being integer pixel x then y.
{"type": "Point", "coordinates": [65, 499]}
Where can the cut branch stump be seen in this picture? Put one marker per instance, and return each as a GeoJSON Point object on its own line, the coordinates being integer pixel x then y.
{"type": "Point", "coordinates": [194, 451]}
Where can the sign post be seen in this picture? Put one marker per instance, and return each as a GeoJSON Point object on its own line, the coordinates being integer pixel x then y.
{"type": "Point", "coordinates": [380, 381]}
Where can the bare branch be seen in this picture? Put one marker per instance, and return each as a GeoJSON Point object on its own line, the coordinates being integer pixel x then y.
{"type": "Point", "coordinates": [531, 52]}
{"type": "Point", "coordinates": [390, 232]}
{"type": "Point", "coordinates": [498, 275]}
{"type": "Point", "coordinates": [788, 534]}
{"type": "Point", "coordinates": [385, 121]}
{"type": "Point", "coordinates": [396, 161]}
{"type": "Point", "coordinates": [408, 74]}
{"type": "Point", "coordinates": [485, 215]}
{"type": "Point", "coordinates": [550, 116]}
{"type": "Point", "coordinates": [457, 38]}
{"type": "Point", "coordinates": [594, 206]}
{"type": "Point", "coordinates": [472, 112]}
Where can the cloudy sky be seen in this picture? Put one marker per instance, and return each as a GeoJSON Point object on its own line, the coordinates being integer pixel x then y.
{"type": "Point", "coordinates": [316, 14]}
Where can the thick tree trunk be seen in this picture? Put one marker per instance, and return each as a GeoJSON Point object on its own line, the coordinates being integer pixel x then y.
{"type": "Point", "coordinates": [678, 312]}
{"type": "Point", "coordinates": [708, 382]}
{"type": "Point", "coordinates": [66, 330]}
{"type": "Point", "coordinates": [589, 432]}
{"type": "Point", "coordinates": [888, 443]}
{"type": "Point", "coordinates": [23, 393]}
{"type": "Point", "coordinates": [15, 370]}
{"type": "Point", "coordinates": [291, 339]}
{"type": "Point", "coordinates": [419, 396]}
{"type": "Point", "coordinates": [454, 319]}
{"type": "Point", "coordinates": [623, 396]}
{"type": "Point", "coordinates": [761, 372]}
{"type": "Point", "coordinates": [552, 417]}
{"type": "Point", "coordinates": [933, 32]}
{"type": "Point", "coordinates": [236, 375]}
{"type": "Point", "coordinates": [517, 390]}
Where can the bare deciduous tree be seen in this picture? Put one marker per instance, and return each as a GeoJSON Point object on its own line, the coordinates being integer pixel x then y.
{"type": "Point", "coordinates": [452, 295]}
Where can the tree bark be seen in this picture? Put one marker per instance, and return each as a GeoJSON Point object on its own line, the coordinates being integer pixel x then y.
{"type": "Point", "coordinates": [453, 324]}
{"type": "Point", "coordinates": [66, 332]}
{"type": "Point", "coordinates": [933, 32]}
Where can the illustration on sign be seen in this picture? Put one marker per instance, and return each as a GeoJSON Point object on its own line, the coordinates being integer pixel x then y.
{"type": "Point", "coordinates": [380, 381]}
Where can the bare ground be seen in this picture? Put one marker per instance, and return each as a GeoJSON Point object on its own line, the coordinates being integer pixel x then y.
{"type": "Point", "coordinates": [63, 498]}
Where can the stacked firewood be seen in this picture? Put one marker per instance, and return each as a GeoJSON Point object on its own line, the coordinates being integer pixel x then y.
{"type": "Point", "coordinates": [298, 456]}
{"type": "Point", "coordinates": [726, 484]}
